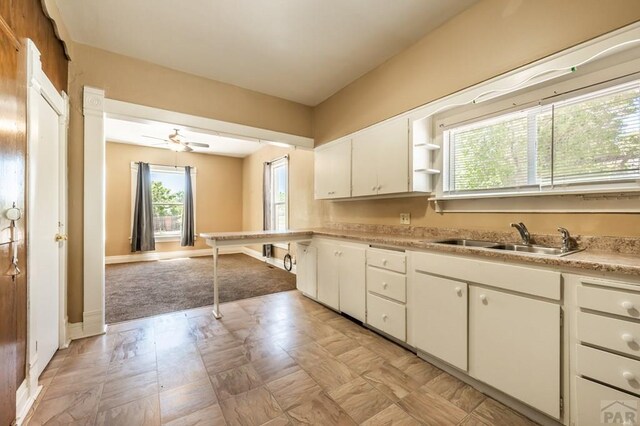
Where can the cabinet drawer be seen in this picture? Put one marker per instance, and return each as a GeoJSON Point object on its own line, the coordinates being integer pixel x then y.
{"type": "Point", "coordinates": [387, 316]}
{"type": "Point", "coordinates": [386, 259]}
{"type": "Point", "coordinates": [608, 300]}
{"type": "Point", "coordinates": [612, 369]}
{"type": "Point", "coordinates": [386, 283]}
{"type": "Point", "coordinates": [594, 402]}
{"type": "Point", "coordinates": [615, 334]}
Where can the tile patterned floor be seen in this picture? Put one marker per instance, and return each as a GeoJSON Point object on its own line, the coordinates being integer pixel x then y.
{"type": "Point", "coordinates": [280, 359]}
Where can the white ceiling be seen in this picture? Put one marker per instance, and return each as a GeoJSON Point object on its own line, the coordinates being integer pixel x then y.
{"type": "Point", "coordinates": [135, 132]}
{"type": "Point", "coordinates": [302, 50]}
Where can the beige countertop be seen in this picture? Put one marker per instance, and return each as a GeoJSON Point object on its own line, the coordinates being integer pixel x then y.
{"type": "Point", "coordinates": [589, 259]}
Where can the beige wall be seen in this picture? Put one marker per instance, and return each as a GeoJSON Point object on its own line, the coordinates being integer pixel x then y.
{"type": "Point", "coordinates": [490, 38]}
{"type": "Point", "coordinates": [135, 81]}
{"type": "Point", "coordinates": [218, 193]}
{"type": "Point", "coordinates": [304, 211]}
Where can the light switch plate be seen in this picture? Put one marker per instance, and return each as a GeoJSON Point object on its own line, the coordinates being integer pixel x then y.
{"type": "Point", "coordinates": [405, 218]}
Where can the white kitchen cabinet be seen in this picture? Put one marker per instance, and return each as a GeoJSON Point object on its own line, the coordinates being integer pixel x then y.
{"type": "Point", "coordinates": [341, 277]}
{"type": "Point", "coordinates": [440, 318]}
{"type": "Point", "coordinates": [380, 159]}
{"type": "Point", "coordinates": [514, 345]}
{"type": "Point", "coordinates": [306, 261]}
{"type": "Point", "coordinates": [333, 170]}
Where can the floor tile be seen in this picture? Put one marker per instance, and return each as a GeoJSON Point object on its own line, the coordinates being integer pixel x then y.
{"type": "Point", "coordinates": [216, 362]}
{"type": "Point", "coordinates": [320, 410]}
{"type": "Point", "coordinates": [126, 350]}
{"type": "Point", "coordinates": [392, 416]}
{"type": "Point", "coordinates": [416, 368]}
{"type": "Point", "coordinates": [431, 409]}
{"type": "Point", "coordinates": [390, 381]}
{"type": "Point", "coordinates": [274, 367]}
{"type": "Point", "coordinates": [338, 344]}
{"type": "Point", "coordinates": [456, 391]}
{"type": "Point", "coordinates": [498, 414]}
{"type": "Point", "coordinates": [68, 408]}
{"type": "Point", "coordinates": [102, 343]}
{"type": "Point", "coordinates": [180, 366]}
{"type": "Point", "coordinates": [331, 373]}
{"type": "Point", "coordinates": [262, 348]}
{"type": "Point", "coordinates": [281, 420]}
{"type": "Point", "coordinates": [290, 340]}
{"type": "Point", "coordinates": [359, 399]}
{"type": "Point", "coordinates": [132, 366]}
{"type": "Point", "coordinates": [252, 408]}
{"type": "Point", "coordinates": [387, 349]}
{"type": "Point", "coordinates": [361, 359]}
{"type": "Point", "coordinates": [294, 389]}
{"type": "Point", "coordinates": [143, 412]}
{"type": "Point", "coordinates": [474, 420]}
{"type": "Point", "coordinates": [120, 391]}
{"type": "Point", "coordinates": [187, 399]}
{"type": "Point", "coordinates": [211, 415]}
{"type": "Point", "coordinates": [309, 355]}
{"type": "Point", "coordinates": [235, 381]}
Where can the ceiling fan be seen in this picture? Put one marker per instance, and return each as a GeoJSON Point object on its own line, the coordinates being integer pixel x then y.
{"type": "Point", "coordinates": [176, 142]}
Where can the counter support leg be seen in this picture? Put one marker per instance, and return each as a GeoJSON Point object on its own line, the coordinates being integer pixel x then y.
{"type": "Point", "coordinates": [216, 297]}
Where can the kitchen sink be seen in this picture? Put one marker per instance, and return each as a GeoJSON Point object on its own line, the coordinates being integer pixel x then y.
{"type": "Point", "coordinates": [533, 249]}
{"type": "Point", "coordinates": [467, 243]}
{"type": "Point", "coordinates": [521, 248]}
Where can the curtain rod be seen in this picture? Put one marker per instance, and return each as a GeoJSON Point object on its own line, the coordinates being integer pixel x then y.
{"type": "Point", "coordinates": [276, 159]}
{"type": "Point", "coordinates": [160, 165]}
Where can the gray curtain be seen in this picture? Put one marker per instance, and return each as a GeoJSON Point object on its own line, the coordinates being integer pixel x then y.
{"type": "Point", "coordinates": [142, 236]}
{"type": "Point", "coordinates": [267, 249]}
{"type": "Point", "coordinates": [188, 225]}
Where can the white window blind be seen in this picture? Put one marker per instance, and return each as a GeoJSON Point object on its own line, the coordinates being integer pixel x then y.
{"type": "Point", "coordinates": [593, 138]}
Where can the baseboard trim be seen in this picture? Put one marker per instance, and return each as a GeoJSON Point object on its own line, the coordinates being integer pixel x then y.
{"type": "Point", "coordinates": [24, 401]}
{"type": "Point", "coordinates": [164, 255]}
{"type": "Point", "coordinates": [279, 263]}
{"type": "Point", "coordinates": [74, 331]}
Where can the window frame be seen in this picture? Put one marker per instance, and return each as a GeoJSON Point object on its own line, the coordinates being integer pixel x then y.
{"type": "Point", "coordinates": [513, 103]}
{"type": "Point", "coordinates": [279, 163]}
{"type": "Point", "coordinates": [164, 236]}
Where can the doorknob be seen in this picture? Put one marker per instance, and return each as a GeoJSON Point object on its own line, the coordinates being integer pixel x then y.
{"type": "Point", "coordinates": [61, 237]}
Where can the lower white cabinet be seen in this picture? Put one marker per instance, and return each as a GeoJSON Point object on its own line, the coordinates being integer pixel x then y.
{"type": "Point", "coordinates": [387, 316]}
{"type": "Point", "coordinates": [514, 345]}
{"type": "Point", "coordinates": [441, 318]}
{"type": "Point", "coordinates": [306, 256]}
{"type": "Point", "coordinates": [597, 404]}
{"type": "Point", "coordinates": [341, 277]}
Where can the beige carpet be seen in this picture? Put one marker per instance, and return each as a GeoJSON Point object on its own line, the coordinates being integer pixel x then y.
{"type": "Point", "coordinates": [142, 289]}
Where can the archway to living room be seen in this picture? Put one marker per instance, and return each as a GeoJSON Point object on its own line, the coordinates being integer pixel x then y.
{"type": "Point", "coordinates": [191, 178]}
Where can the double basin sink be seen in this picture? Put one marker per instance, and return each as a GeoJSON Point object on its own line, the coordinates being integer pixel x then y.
{"type": "Point", "coordinates": [522, 248]}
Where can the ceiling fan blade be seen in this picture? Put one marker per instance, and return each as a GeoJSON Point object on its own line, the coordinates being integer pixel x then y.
{"type": "Point", "coordinates": [202, 145]}
{"type": "Point", "coordinates": [187, 148]}
{"type": "Point", "coordinates": [153, 137]}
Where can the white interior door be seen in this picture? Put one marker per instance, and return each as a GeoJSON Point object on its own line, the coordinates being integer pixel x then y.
{"type": "Point", "coordinates": [44, 223]}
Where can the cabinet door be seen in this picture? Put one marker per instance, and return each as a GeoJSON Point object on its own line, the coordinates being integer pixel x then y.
{"type": "Point", "coordinates": [364, 162]}
{"type": "Point", "coordinates": [441, 318]}
{"type": "Point", "coordinates": [352, 281]}
{"type": "Point", "coordinates": [392, 156]}
{"type": "Point", "coordinates": [514, 345]}
{"type": "Point", "coordinates": [333, 170]}
{"type": "Point", "coordinates": [306, 270]}
{"type": "Point", "coordinates": [328, 284]}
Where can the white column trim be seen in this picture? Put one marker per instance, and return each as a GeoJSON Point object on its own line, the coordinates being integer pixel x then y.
{"type": "Point", "coordinates": [93, 317]}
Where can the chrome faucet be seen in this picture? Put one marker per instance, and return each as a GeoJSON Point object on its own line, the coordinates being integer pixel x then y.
{"type": "Point", "coordinates": [567, 242]}
{"type": "Point", "coordinates": [524, 232]}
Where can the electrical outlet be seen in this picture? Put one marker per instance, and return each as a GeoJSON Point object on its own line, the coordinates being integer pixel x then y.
{"type": "Point", "coordinates": [405, 218]}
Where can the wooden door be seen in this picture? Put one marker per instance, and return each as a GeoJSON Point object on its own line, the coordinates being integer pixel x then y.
{"type": "Point", "coordinates": [514, 345]}
{"type": "Point", "coordinates": [12, 190]}
{"type": "Point", "coordinates": [352, 273]}
{"type": "Point", "coordinates": [328, 284]}
{"type": "Point", "coordinates": [440, 319]}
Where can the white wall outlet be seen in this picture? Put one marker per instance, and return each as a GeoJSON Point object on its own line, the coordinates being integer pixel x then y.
{"type": "Point", "coordinates": [405, 218]}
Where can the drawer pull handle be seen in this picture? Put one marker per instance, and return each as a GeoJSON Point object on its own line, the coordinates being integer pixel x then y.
{"type": "Point", "coordinates": [459, 291]}
{"type": "Point", "coordinates": [628, 338]}
{"type": "Point", "coordinates": [384, 261]}
{"type": "Point", "coordinates": [384, 317]}
{"type": "Point", "coordinates": [627, 305]}
{"type": "Point", "coordinates": [628, 376]}
{"type": "Point", "coordinates": [483, 298]}
{"type": "Point", "coordinates": [373, 188]}
{"type": "Point", "coordinates": [385, 285]}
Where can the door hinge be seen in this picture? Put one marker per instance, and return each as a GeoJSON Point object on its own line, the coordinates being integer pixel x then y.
{"type": "Point", "coordinates": [561, 405]}
{"type": "Point", "coordinates": [561, 318]}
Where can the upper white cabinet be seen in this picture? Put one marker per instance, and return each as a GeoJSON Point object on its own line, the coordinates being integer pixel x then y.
{"type": "Point", "coordinates": [333, 170]}
{"type": "Point", "coordinates": [380, 159]}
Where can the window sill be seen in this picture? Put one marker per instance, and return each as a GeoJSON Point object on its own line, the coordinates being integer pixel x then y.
{"type": "Point", "coordinates": [167, 238]}
{"type": "Point", "coordinates": [612, 191]}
